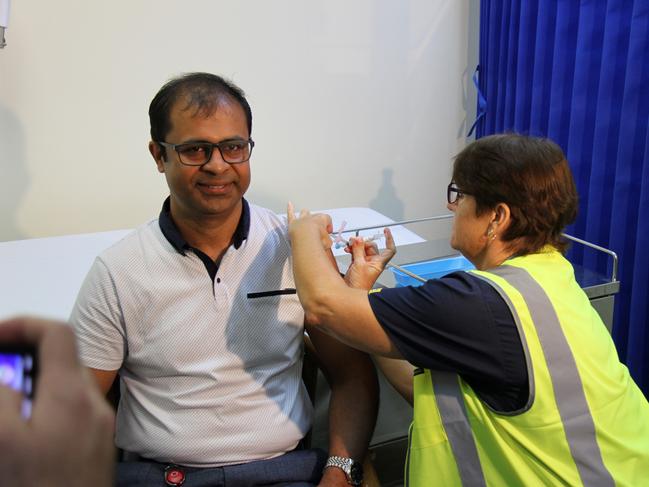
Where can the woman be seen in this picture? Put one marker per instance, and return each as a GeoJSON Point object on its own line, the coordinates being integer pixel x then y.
{"type": "Point", "coordinates": [517, 381]}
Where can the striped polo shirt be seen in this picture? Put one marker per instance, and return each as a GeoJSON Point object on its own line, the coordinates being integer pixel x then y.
{"type": "Point", "coordinates": [210, 368]}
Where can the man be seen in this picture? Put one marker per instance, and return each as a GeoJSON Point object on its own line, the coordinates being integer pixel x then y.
{"type": "Point", "coordinates": [198, 314]}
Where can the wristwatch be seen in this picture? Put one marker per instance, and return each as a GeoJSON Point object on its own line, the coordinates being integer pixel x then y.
{"type": "Point", "coordinates": [353, 469]}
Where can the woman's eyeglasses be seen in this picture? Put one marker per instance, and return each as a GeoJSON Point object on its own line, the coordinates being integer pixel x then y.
{"type": "Point", "coordinates": [453, 193]}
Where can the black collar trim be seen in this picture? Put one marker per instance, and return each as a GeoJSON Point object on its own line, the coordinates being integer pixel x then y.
{"type": "Point", "coordinates": [173, 235]}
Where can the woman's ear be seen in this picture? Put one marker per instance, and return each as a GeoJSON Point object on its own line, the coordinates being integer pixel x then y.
{"type": "Point", "coordinates": [501, 217]}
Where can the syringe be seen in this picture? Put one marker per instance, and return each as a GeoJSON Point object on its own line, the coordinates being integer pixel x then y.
{"type": "Point", "coordinates": [366, 238]}
{"type": "Point", "coordinates": [340, 242]}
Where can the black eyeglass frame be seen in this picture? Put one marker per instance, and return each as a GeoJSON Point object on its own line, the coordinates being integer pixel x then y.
{"type": "Point", "coordinates": [209, 146]}
{"type": "Point", "coordinates": [451, 188]}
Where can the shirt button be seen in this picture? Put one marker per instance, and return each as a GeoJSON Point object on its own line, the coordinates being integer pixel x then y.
{"type": "Point", "coordinates": [218, 280]}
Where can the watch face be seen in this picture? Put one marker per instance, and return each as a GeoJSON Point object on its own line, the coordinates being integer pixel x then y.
{"type": "Point", "coordinates": [356, 473]}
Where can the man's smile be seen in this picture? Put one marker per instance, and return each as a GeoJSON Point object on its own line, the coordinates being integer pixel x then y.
{"type": "Point", "coordinates": [212, 188]}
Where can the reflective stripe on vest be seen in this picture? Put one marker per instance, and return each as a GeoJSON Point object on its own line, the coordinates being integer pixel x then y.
{"type": "Point", "coordinates": [457, 427]}
{"type": "Point", "coordinates": [569, 393]}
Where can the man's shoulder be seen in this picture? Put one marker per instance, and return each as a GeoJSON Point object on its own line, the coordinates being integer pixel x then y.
{"type": "Point", "coordinates": [131, 243]}
{"type": "Point", "coordinates": [261, 217]}
{"type": "Point", "coordinates": [126, 259]}
{"type": "Point", "coordinates": [268, 237]}
{"type": "Point", "coordinates": [262, 212]}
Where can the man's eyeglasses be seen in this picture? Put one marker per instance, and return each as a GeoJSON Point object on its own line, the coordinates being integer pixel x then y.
{"type": "Point", "coordinates": [233, 151]}
{"type": "Point", "coordinates": [453, 193]}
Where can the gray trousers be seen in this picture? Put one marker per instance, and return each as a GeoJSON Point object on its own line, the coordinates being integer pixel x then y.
{"type": "Point", "coordinates": [299, 468]}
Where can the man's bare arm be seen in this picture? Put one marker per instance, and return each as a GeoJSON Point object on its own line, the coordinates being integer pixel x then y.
{"type": "Point", "coordinates": [104, 379]}
{"type": "Point", "coordinates": [399, 374]}
{"type": "Point", "coordinates": [354, 398]}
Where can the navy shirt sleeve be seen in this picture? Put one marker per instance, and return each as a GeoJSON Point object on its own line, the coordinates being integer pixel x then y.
{"type": "Point", "coordinates": [459, 324]}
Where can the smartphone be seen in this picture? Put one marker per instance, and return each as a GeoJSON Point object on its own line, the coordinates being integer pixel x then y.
{"type": "Point", "coordinates": [18, 370]}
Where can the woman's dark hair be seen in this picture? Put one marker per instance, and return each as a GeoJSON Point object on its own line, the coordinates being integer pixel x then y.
{"type": "Point", "coordinates": [203, 92]}
{"type": "Point", "coordinates": [531, 175]}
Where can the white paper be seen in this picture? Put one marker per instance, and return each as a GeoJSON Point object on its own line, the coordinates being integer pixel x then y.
{"type": "Point", "coordinates": [365, 217]}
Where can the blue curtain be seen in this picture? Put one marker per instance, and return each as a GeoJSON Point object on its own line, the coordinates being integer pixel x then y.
{"type": "Point", "coordinates": [578, 73]}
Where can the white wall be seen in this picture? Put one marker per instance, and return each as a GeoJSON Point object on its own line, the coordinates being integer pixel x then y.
{"type": "Point", "coordinates": [355, 103]}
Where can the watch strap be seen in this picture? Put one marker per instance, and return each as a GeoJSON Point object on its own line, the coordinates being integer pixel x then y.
{"type": "Point", "coordinates": [353, 469]}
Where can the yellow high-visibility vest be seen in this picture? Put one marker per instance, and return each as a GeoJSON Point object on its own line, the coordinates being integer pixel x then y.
{"type": "Point", "coordinates": [585, 423]}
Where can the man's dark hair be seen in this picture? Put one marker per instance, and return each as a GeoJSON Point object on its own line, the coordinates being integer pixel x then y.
{"type": "Point", "coordinates": [202, 92]}
{"type": "Point", "coordinates": [531, 175]}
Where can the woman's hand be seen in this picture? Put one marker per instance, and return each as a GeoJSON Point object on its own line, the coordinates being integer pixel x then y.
{"type": "Point", "coordinates": [367, 262]}
{"type": "Point", "coordinates": [307, 223]}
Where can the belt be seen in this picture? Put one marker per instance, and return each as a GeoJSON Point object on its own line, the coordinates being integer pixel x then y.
{"type": "Point", "coordinates": [296, 465]}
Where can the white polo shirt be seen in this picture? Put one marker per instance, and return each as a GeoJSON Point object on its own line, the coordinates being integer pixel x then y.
{"type": "Point", "coordinates": [210, 371]}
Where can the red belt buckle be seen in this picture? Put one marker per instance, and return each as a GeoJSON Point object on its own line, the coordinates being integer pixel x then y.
{"type": "Point", "coordinates": [174, 475]}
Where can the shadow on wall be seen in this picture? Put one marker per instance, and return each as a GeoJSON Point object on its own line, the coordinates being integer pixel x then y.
{"type": "Point", "coordinates": [386, 201]}
{"type": "Point", "coordinates": [14, 178]}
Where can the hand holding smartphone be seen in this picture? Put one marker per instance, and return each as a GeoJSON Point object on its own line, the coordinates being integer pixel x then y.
{"type": "Point", "coordinates": [67, 440]}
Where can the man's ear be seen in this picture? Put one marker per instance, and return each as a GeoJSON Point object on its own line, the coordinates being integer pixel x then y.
{"type": "Point", "coordinates": [156, 153]}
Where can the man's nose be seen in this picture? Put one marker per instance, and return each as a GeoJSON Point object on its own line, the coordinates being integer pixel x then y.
{"type": "Point", "coordinates": [216, 162]}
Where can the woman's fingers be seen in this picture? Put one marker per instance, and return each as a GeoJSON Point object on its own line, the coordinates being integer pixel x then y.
{"type": "Point", "coordinates": [390, 247]}
{"type": "Point", "coordinates": [290, 213]}
{"type": "Point", "coordinates": [389, 240]}
{"type": "Point", "coordinates": [319, 222]}
{"type": "Point", "coordinates": [371, 249]}
{"type": "Point", "coordinates": [357, 249]}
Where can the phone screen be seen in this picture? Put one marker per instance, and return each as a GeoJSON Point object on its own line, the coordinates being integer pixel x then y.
{"type": "Point", "coordinates": [18, 371]}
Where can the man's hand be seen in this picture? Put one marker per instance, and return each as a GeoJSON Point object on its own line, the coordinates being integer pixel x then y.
{"type": "Point", "coordinates": [68, 439]}
{"type": "Point", "coordinates": [367, 262]}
